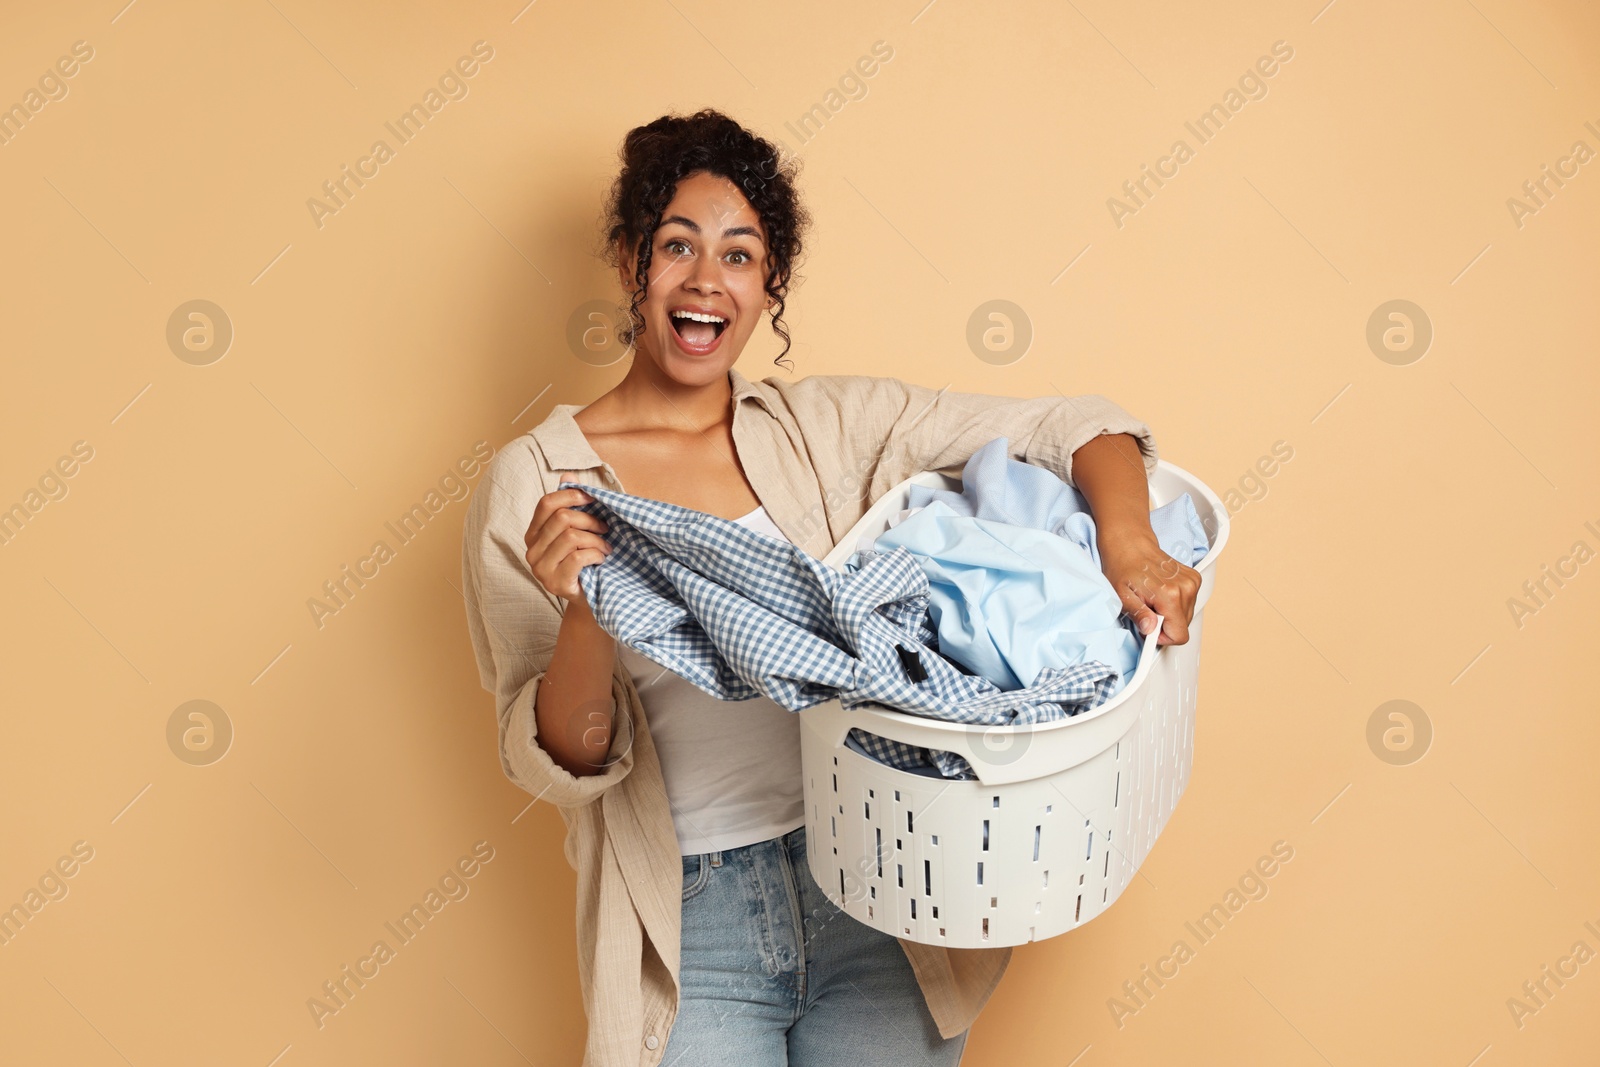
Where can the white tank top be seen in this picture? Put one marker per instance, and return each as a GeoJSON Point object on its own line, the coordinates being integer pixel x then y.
{"type": "Point", "coordinates": [732, 767]}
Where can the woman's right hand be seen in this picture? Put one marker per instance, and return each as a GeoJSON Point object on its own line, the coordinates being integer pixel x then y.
{"type": "Point", "coordinates": [561, 542]}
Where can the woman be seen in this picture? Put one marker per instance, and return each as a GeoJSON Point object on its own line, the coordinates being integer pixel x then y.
{"type": "Point", "coordinates": [750, 964]}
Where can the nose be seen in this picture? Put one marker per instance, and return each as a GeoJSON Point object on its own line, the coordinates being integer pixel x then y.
{"type": "Point", "coordinates": [705, 275]}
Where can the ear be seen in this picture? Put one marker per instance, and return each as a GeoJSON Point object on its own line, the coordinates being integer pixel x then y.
{"type": "Point", "coordinates": [627, 263]}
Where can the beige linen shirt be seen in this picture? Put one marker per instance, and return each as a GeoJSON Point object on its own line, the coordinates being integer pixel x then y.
{"type": "Point", "coordinates": [817, 452]}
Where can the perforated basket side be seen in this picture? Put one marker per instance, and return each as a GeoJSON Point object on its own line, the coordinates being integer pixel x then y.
{"type": "Point", "coordinates": [1044, 842]}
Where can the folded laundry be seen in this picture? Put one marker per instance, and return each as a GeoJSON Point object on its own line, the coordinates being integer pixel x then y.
{"type": "Point", "coordinates": [998, 487]}
{"type": "Point", "coordinates": [738, 614]}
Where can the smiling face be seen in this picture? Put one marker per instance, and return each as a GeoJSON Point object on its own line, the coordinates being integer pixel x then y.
{"type": "Point", "coordinates": [709, 263]}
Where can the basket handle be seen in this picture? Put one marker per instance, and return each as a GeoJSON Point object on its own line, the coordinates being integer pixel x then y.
{"type": "Point", "coordinates": [1055, 747]}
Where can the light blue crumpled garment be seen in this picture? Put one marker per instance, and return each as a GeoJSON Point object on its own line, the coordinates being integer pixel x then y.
{"type": "Point", "coordinates": [995, 486]}
{"type": "Point", "coordinates": [1009, 601]}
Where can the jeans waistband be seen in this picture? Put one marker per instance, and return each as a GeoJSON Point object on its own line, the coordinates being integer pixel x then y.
{"type": "Point", "coordinates": [794, 841]}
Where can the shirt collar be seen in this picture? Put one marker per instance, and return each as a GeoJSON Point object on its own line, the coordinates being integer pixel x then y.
{"type": "Point", "coordinates": [566, 448]}
{"type": "Point", "coordinates": [743, 387]}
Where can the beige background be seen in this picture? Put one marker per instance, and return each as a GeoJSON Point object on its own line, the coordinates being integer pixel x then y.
{"type": "Point", "coordinates": [1230, 312]}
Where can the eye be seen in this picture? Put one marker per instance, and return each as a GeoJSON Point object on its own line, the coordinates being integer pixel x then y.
{"type": "Point", "coordinates": [741, 252]}
{"type": "Point", "coordinates": [677, 242]}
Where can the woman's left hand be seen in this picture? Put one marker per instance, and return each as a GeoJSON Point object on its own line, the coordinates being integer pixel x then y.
{"type": "Point", "coordinates": [1149, 581]}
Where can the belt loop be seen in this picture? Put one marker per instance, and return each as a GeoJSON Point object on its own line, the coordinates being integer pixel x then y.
{"type": "Point", "coordinates": [716, 859]}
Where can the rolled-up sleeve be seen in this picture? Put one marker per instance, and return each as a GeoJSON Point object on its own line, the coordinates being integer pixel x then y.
{"type": "Point", "coordinates": [913, 428]}
{"type": "Point", "coordinates": [514, 623]}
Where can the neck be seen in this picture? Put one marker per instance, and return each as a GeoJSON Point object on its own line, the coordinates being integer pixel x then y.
{"type": "Point", "coordinates": [651, 397]}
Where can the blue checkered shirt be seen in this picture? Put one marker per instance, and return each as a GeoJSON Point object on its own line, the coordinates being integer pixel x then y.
{"type": "Point", "coordinates": [741, 614]}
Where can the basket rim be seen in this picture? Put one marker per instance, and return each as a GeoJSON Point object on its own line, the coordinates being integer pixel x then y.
{"type": "Point", "coordinates": [1148, 658]}
{"type": "Point", "coordinates": [1147, 666]}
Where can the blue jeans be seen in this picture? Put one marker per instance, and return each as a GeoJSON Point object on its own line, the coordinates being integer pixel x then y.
{"type": "Point", "coordinates": [773, 973]}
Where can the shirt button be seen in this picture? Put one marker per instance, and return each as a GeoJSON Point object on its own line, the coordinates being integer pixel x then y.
{"type": "Point", "coordinates": [651, 1042]}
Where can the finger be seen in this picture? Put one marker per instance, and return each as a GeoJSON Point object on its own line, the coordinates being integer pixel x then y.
{"type": "Point", "coordinates": [557, 499]}
{"type": "Point", "coordinates": [571, 476]}
{"type": "Point", "coordinates": [572, 566]}
{"type": "Point", "coordinates": [567, 519]}
{"type": "Point", "coordinates": [549, 525]}
{"type": "Point", "coordinates": [1166, 605]}
{"type": "Point", "coordinates": [553, 503]}
{"type": "Point", "coordinates": [1133, 606]}
{"type": "Point", "coordinates": [560, 577]}
{"type": "Point", "coordinates": [554, 552]}
{"type": "Point", "coordinates": [1188, 587]}
{"type": "Point", "coordinates": [1175, 617]}
{"type": "Point", "coordinates": [1144, 620]}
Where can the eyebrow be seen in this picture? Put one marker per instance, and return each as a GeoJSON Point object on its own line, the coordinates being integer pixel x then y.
{"type": "Point", "coordinates": [694, 227]}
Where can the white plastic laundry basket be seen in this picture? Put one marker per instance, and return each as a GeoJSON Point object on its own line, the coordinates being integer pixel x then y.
{"type": "Point", "coordinates": [1062, 813]}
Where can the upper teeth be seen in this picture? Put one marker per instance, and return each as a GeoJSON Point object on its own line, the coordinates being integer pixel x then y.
{"type": "Point", "coordinates": [697, 316]}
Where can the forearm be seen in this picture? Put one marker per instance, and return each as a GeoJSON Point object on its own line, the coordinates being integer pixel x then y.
{"type": "Point", "coordinates": [1110, 474]}
{"type": "Point", "coordinates": [1109, 471]}
{"type": "Point", "coordinates": [573, 707]}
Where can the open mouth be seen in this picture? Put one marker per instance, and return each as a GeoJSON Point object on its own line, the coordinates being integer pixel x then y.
{"type": "Point", "coordinates": [697, 329]}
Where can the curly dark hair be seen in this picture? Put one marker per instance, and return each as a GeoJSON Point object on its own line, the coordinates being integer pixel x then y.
{"type": "Point", "coordinates": [655, 157]}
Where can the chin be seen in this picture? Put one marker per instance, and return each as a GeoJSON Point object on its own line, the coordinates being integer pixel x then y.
{"type": "Point", "coordinates": [689, 370]}
{"type": "Point", "coordinates": [700, 374]}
